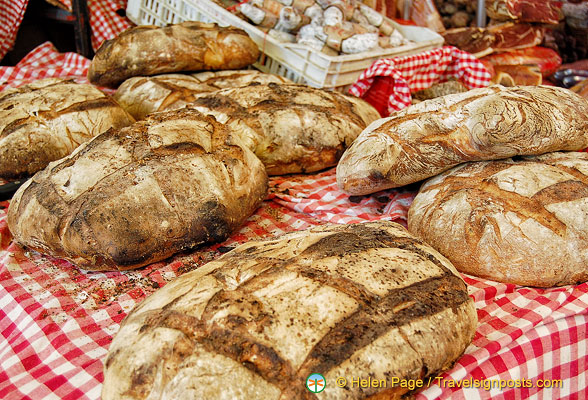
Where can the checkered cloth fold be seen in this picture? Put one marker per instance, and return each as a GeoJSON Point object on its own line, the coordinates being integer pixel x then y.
{"type": "Point", "coordinates": [45, 61]}
{"type": "Point", "coordinates": [106, 23]}
{"type": "Point", "coordinates": [388, 83]}
{"type": "Point", "coordinates": [11, 15]}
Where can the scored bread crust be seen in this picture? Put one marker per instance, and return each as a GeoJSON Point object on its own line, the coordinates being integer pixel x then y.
{"type": "Point", "coordinates": [188, 46]}
{"type": "Point", "coordinates": [238, 78]}
{"type": "Point", "coordinates": [514, 221]}
{"type": "Point", "coordinates": [47, 119]}
{"type": "Point", "coordinates": [137, 195]}
{"type": "Point", "coordinates": [291, 128]}
{"type": "Point", "coordinates": [339, 300]}
{"type": "Point", "coordinates": [428, 138]}
{"type": "Point", "coordinates": [142, 95]}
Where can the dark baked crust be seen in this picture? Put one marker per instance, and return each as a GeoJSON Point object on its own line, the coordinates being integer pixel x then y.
{"type": "Point", "coordinates": [291, 128]}
{"type": "Point", "coordinates": [345, 300]}
{"type": "Point", "coordinates": [137, 195]}
{"type": "Point", "coordinates": [188, 46]}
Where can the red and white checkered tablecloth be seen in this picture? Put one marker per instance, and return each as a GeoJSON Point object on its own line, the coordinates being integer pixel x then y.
{"type": "Point", "coordinates": [104, 20]}
{"type": "Point", "coordinates": [45, 61]}
{"type": "Point", "coordinates": [388, 83]}
{"type": "Point", "coordinates": [57, 321]}
{"type": "Point", "coordinates": [11, 15]}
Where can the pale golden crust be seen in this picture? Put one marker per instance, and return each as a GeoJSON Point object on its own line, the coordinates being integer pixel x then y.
{"type": "Point", "coordinates": [520, 222]}
{"type": "Point", "coordinates": [238, 78]}
{"type": "Point", "coordinates": [137, 195]}
{"type": "Point", "coordinates": [343, 300]}
{"type": "Point", "coordinates": [188, 46]}
{"type": "Point", "coordinates": [291, 128]}
{"type": "Point", "coordinates": [143, 95]}
{"type": "Point", "coordinates": [47, 119]}
{"type": "Point", "coordinates": [482, 124]}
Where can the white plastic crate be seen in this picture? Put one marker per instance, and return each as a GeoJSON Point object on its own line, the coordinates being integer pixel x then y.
{"type": "Point", "coordinates": [293, 61]}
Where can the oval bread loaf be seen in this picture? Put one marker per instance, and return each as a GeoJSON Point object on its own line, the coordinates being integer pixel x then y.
{"type": "Point", "coordinates": [428, 138]}
{"type": "Point", "coordinates": [137, 195]}
{"type": "Point", "coordinates": [142, 95]}
{"type": "Point", "coordinates": [188, 46]}
{"type": "Point", "coordinates": [523, 221]}
{"type": "Point", "coordinates": [47, 119]}
{"type": "Point", "coordinates": [291, 128]}
{"type": "Point", "coordinates": [352, 300]}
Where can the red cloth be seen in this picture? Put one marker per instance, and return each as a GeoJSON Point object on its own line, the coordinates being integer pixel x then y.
{"type": "Point", "coordinates": [45, 62]}
{"type": "Point", "coordinates": [11, 15]}
{"type": "Point", "coordinates": [104, 20]}
{"type": "Point", "coordinates": [387, 84]}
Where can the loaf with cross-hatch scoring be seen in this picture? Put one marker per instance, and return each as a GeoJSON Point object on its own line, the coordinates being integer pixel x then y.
{"type": "Point", "coordinates": [291, 128]}
{"type": "Point", "coordinates": [140, 194]}
{"type": "Point", "coordinates": [187, 46]}
{"type": "Point", "coordinates": [47, 119]}
{"type": "Point", "coordinates": [428, 138]}
{"type": "Point", "coordinates": [142, 95]}
{"type": "Point", "coordinates": [522, 221]}
{"type": "Point", "coordinates": [356, 300]}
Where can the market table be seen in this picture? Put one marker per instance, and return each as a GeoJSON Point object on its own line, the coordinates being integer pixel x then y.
{"type": "Point", "coordinates": [57, 321]}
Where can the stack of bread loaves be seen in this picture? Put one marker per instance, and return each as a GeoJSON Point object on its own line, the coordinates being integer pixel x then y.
{"type": "Point", "coordinates": [334, 300]}
{"type": "Point", "coordinates": [182, 177]}
{"type": "Point", "coordinates": [517, 221]}
{"type": "Point", "coordinates": [47, 119]}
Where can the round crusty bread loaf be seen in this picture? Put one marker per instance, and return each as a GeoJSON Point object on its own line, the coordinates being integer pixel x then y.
{"type": "Point", "coordinates": [291, 128]}
{"type": "Point", "coordinates": [137, 195]}
{"type": "Point", "coordinates": [523, 221]}
{"type": "Point", "coordinates": [142, 95]}
{"type": "Point", "coordinates": [47, 119]}
{"type": "Point", "coordinates": [347, 301]}
{"type": "Point", "coordinates": [188, 46]}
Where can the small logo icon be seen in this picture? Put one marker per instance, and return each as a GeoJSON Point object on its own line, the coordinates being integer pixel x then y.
{"type": "Point", "coordinates": [316, 383]}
